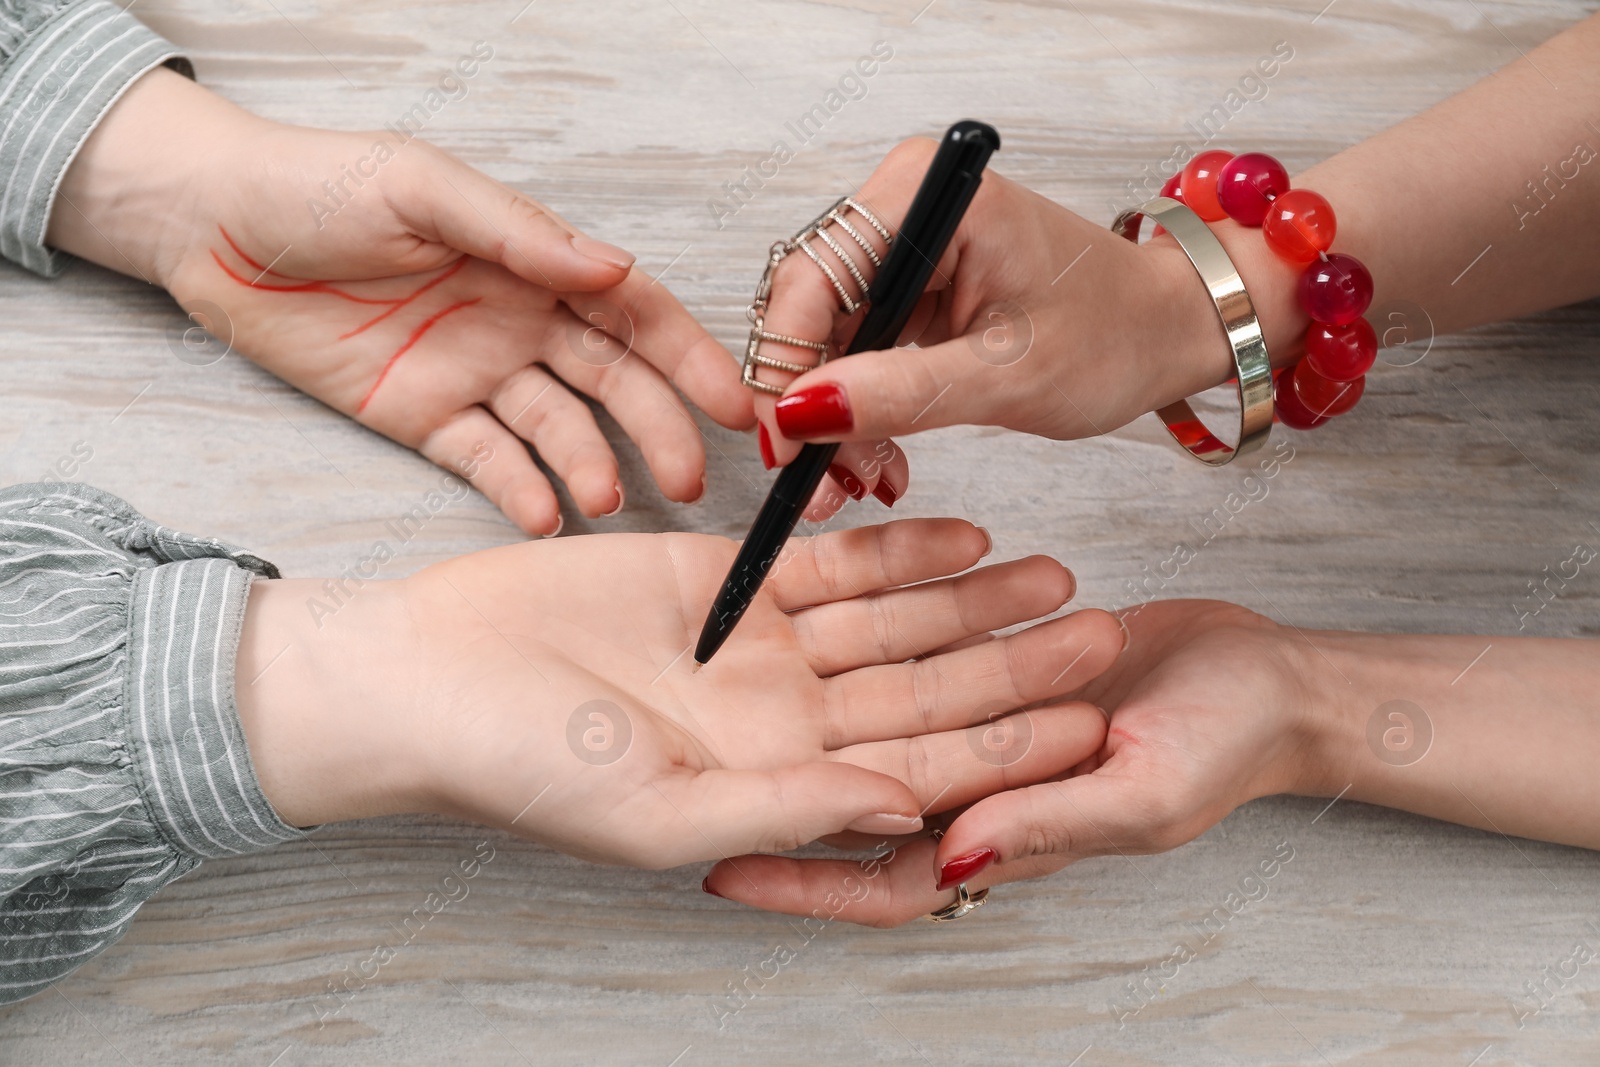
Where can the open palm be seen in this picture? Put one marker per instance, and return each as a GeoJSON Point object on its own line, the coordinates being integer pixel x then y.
{"type": "Point", "coordinates": [556, 688]}
{"type": "Point", "coordinates": [451, 314]}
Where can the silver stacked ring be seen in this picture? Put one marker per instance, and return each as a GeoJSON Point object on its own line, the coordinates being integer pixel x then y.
{"type": "Point", "coordinates": [757, 312]}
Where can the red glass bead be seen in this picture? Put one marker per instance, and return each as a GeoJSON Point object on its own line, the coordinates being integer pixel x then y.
{"type": "Point", "coordinates": [1336, 289]}
{"type": "Point", "coordinates": [1290, 411]}
{"type": "Point", "coordinates": [1323, 397]}
{"type": "Point", "coordinates": [1299, 225]}
{"type": "Point", "coordinates": [1199, 184]}
{"type": "Point", "coordinates": [1248, 184]}
{"type": "Point", "coordinates": [1341, 353]}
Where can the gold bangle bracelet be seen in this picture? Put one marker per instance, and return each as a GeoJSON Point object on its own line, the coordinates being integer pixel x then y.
{"type": "Point", "coordinates": [1239, 320]}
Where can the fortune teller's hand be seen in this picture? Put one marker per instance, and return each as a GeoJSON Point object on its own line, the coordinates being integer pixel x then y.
{"type": "Point", "coordinates": [546, 687]}
{"type": "Point", "coordinates": [1210, 706]}
{"type": "Point", "coordinates": [398, 285]}
{"type": "Point", "coordinates": [1035, 319]}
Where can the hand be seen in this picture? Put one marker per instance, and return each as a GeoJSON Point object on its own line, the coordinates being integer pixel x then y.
{"type": "Point", "coordinates": [1209, 707]}
{"type": "Point", "coordinates": [545, 687]}
{"type": "Point", "coordinates": [403, 288]}
{"type": "Point", "coordinates": [1035, 319]}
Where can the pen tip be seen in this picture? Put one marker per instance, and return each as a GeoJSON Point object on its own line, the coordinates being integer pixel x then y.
{"type": "Point", "coordinates": [694, 666]}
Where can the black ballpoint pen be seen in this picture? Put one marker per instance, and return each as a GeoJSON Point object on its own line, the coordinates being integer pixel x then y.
{"type": "Point", "coordinates": [948, 187]}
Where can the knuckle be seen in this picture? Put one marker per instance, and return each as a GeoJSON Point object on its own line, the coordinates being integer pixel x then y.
{"type": "Point", "coordinates": [828, 560]}
{"type": "Point", "coordinates": [925, 699]}
{"type": "Point", "coordinates": [883, 629]}
{"type": "Point", "coordinates": [888, 912]}
{"type": "Point", "coordinates": [522, 210]}
{"type": "Point", "coordinates": [910, 155]}
{"type": "Point", "coordinates": [1046, 838]}
{"type": "Point", "coordinates": [919, 769]}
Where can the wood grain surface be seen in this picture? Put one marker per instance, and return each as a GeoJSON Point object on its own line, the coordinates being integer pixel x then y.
{"type": "Point", "coordinates": [1388, 939]}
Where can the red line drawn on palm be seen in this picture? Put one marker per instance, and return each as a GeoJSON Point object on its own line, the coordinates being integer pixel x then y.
{"type": "Point", "coordinates": [324, 288]}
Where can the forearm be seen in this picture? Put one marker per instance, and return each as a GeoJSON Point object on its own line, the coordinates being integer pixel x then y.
{"type": "Point", "coordinates": [123, 202]}
{"type": "Point", "coordinates": [1509, 165]}
{"type": "Point", "coordinates": [1501, 733]}
{"type": "Point", "coordinates": [1480, 209]}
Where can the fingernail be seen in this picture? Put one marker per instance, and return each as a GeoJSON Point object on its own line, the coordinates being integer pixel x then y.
{"type": "Point", "coordinates": [621, 500]}
{"type": "Point", "coordinates": [988, 539]}
{"type": "Point", "coordinates": [886, 493]}
{"type": "Point", "coordinates": [701, 495]}
{"type": "Point", "coordinates": [815, 412]}
{"type": "Point", "coordinates": [1127, 634]}
{"type": "Point", "coordinates": [886, 822]}
{"type": "Point", "coordinates": [962, 868]}
{"type": "Point", "coordinates": [561, 520]}
{"type": "Point", "coordinates": [847, 481]}
{"type": "Point", "coordinates": [610, 255]}
{"type": "Point", "coordinates": [705, 884]}
{"type": "Point", "coordinates": [768, 458]}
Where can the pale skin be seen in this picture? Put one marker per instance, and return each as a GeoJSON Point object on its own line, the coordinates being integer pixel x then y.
{"type": "Point", "coordinates": [1210, 705]}
{"type": "Point", "coordinates": [1213, 705]}
{"type": "Point", "coordinates": [435, 305]}
{"type": "Point", "coordinates": [843, 704]}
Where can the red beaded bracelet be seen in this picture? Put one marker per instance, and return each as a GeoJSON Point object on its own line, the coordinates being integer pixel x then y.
{"type": "Point", "coordinates": [1335, 290]}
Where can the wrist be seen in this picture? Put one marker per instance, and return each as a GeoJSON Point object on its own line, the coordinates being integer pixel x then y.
{"type": "Point", "coordinates": [129, 200]}
{"type": "Point", "coordinates": [1199, 356]}
{"type": "Point", "coordinates": [1195, 355]}
{"type": "Point", "coordinates": [1366, 725]}
{"type": "Point", "coordinates": [1327, 749]}
{"type": "Point", "coordinates": [325, 700]}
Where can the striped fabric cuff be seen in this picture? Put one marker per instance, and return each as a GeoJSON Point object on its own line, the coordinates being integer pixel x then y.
{"type": "Point", "coordinates": [54, 90]}
{"type": "Point", "coordinates": [182, 726]}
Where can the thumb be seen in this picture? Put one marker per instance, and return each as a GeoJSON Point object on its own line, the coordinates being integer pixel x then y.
{"type": "Point", "coordinates": [1090, 815]}
{"type": "Point", "coordinates": [739, 811]}
{"type": "Point", "coordinates": [443, 200]}
{"type": "Point", "coordinates": [895, 392]}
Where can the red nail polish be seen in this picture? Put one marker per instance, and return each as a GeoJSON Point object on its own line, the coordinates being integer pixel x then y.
{"type": "Point", "coordinates": [768, 458]}
{"type": "Point", "coordinates": [847, 481]}
{"type": "Point", "coordinates": [962, 868]}
{"type": "Point", "coordinates": [821, 411]}
{"type": "Point", "coordinates": [885, 492]}
{"type": "Point", "coordinates": [705, 884]}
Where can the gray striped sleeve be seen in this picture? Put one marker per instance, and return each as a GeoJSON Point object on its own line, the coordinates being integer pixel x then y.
{"type": "Point", "coordinates": [122, 761]}
{"type": "Point", "coordinates": [63, 63]}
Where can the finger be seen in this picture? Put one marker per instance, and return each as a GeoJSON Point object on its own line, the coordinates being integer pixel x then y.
{"type": "Point", "coordinates": [896, 625]}
{"type": "Point", "coordinates": [647, 408]}
{"type": "Point", "coordinates": [878, 467]}
{"type": "Point", "coordinates": [951, 691]}
{"type": "Point", "coordinates": [850, 563]}
{"type": "Point", "coordinates": [805, 302]}
{"type": "Point", "coordinates": [966, 642]}
{"type": "Point", "coordinates": [859, 469]}
{"type": "Point", "coordinates": [803, 297]}
{"type": "Point", "coordinates": [643, 314]}
{"type": "Point", "coordinates": [885, 889]}
{"type": "Point", "coordinates": [562, 430]}
{"type": "Point", "coordinates": [473, 444]}
{"type": "Point", "coordinates": [832, 494]}
{"type": "Point", "coordinates": [1108, 811]}
{"type": "Point", "coordinates": [442, 199]}
{"type": "Point", "coordinates": [728, 812]}
{"type": "Point", "coordinates": [926, 326]}
{"type": "Point", "coordinates": [952, 768]}
{"type": "Point", "coordinates": [896, 392]}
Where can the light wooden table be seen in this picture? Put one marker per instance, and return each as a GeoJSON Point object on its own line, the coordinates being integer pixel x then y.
{"type": "Point", "coordinates": [1388, 939]}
